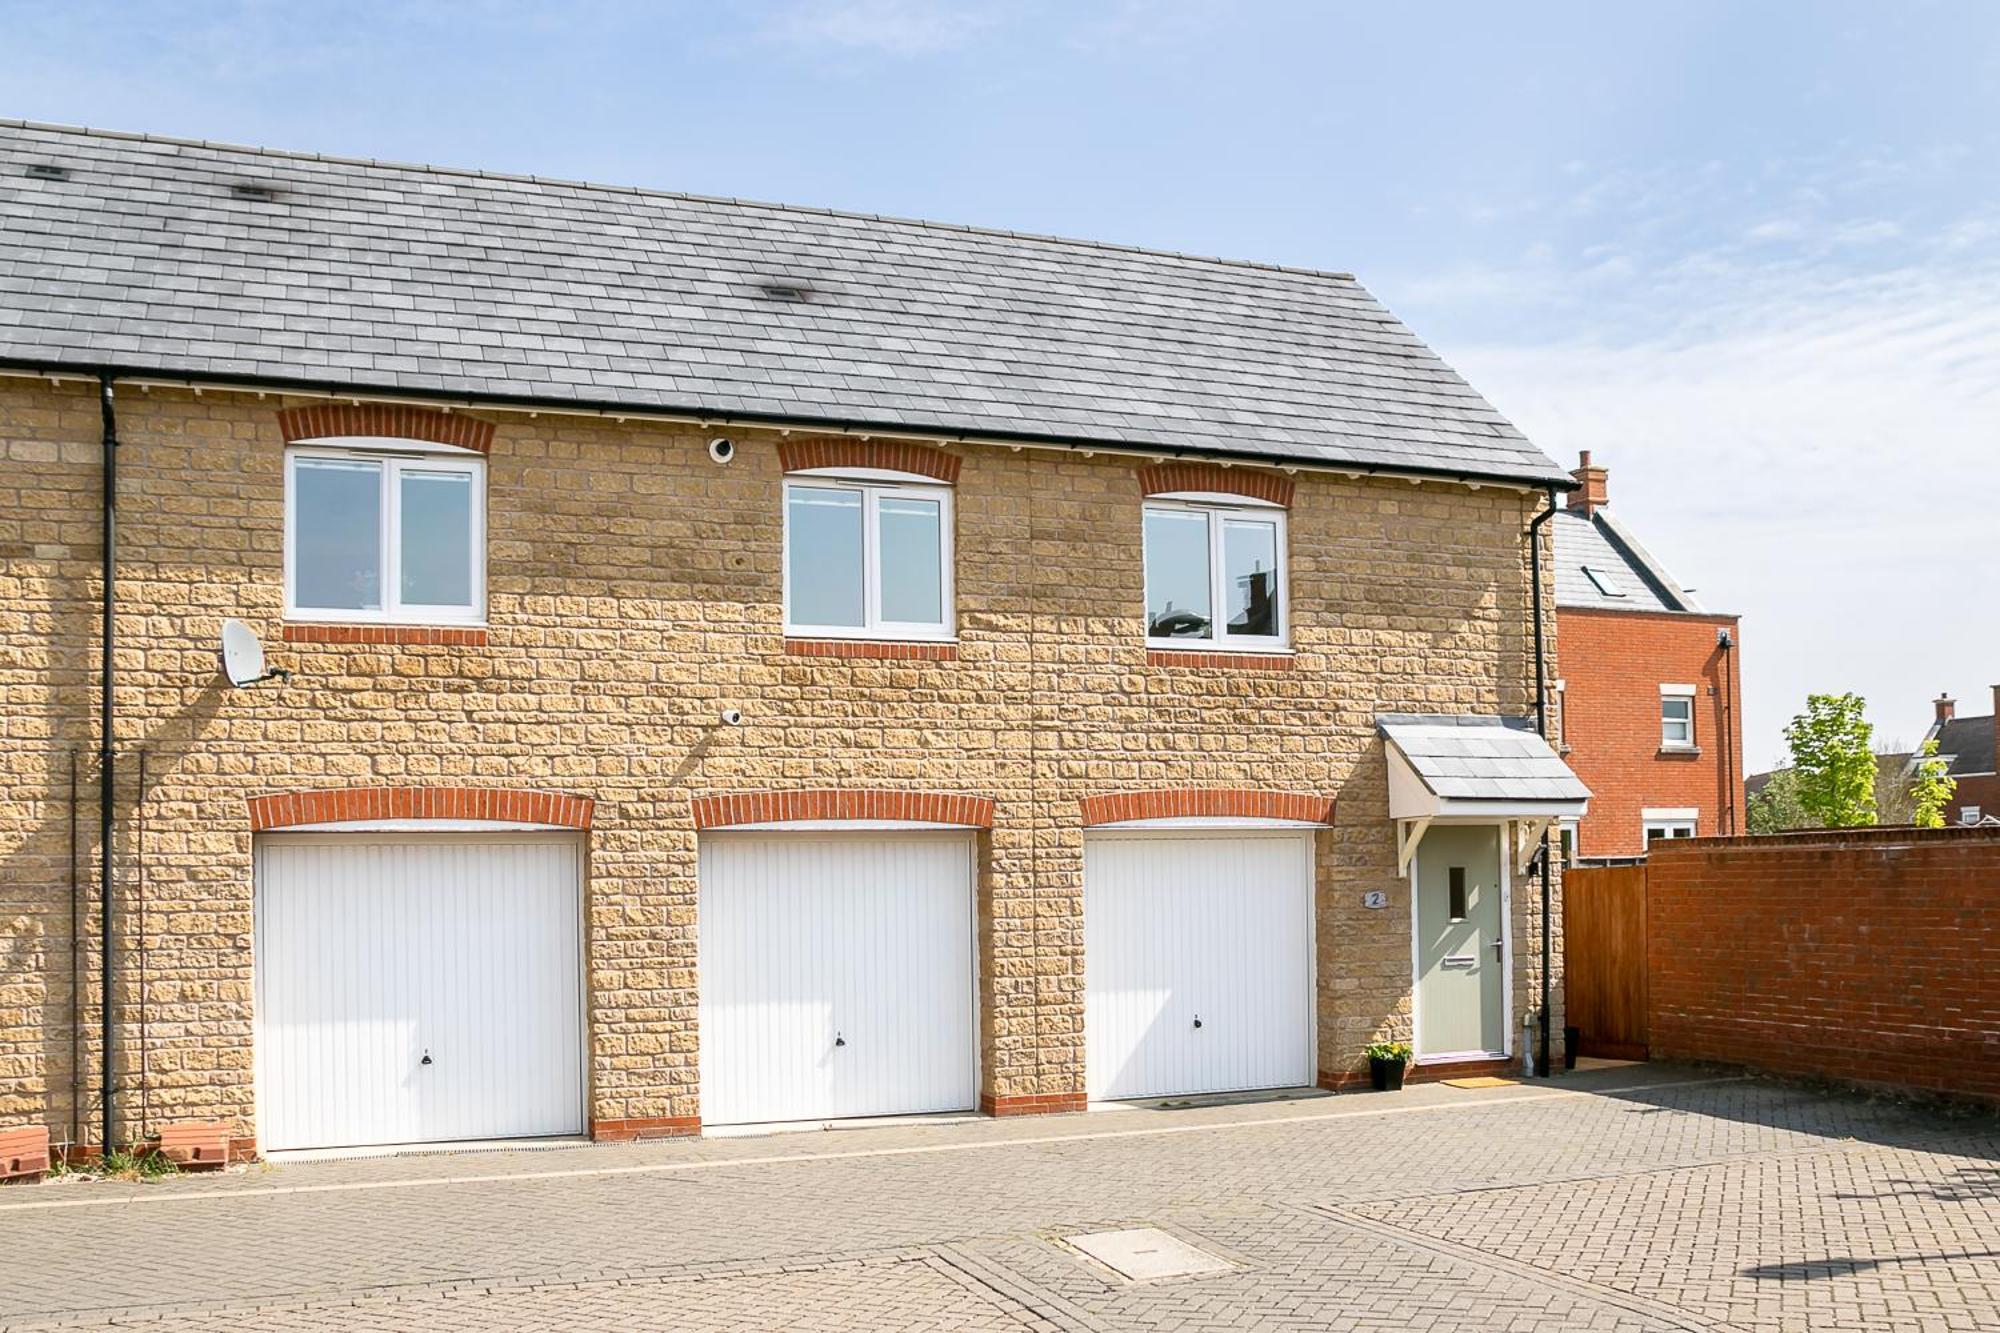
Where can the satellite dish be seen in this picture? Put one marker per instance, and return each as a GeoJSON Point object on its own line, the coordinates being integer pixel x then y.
{"type": "Point", "coordinates": [243, 656]}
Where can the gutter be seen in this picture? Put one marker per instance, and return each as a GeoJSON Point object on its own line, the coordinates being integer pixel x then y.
{"type": "Point", "coordinates": [1542, 726]}
{"type": "Point", "coordinates": [534, 404]}
{"type": "Point", "coordinates": [107, 753]}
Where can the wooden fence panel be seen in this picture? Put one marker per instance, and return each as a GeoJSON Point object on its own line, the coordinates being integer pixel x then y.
{"type": "Point", "coordinates": [1604, 959]}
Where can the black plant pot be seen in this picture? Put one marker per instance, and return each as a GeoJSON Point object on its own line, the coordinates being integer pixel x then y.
{"type": "Point", "coordinates": [1572, 1038]}
{"type": "Point", "coordinates": [1386, 1075]}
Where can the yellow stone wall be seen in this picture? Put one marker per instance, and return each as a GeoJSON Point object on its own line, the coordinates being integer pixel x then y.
{"type": "Point", "coordinates": [634, 592]}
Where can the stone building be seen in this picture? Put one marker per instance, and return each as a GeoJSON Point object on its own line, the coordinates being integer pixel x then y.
{"type": "Point", "coordinates": [743, 663]}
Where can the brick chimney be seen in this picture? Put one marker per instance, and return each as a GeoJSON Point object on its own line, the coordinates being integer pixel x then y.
{"type": "Point", "coordinates": [1591, 494]}
{"type": "Point", "coordinates": [1947, 707]}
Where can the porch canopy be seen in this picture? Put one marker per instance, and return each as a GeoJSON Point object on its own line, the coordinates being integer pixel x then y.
{"type": "Point", "coordinates": [1475, 770]}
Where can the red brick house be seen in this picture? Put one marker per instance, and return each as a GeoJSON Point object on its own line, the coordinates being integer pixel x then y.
{"type": "Point", "coordinates": [1649, 695]}
{"type": "Point", "coordinates": [1968, 745]}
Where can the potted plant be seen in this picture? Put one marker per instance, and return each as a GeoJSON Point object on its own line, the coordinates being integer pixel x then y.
{"type": "Point", "coordinates": [1386, 1062]}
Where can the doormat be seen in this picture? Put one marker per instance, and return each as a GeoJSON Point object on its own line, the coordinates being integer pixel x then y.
{"type": "Point", "coordinates": [1481, 1081]}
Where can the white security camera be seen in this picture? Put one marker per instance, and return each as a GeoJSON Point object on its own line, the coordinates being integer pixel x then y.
{"type": "Point", "coordinates": [721, 450]}
{"type": "Point", "coordinates": [732, 717]}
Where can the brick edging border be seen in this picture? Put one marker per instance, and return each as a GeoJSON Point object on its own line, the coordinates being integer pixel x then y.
{"type": "Point", "coordinates": [458, 636]}
{"type": "Point", "coordinates": [385, 421]}
{"type": "Point", "coordinates": [1169, 657]}
{"type": "Point", "coordinates": [1165, 478]}
{"type": "Point", "coordinates": [634, 1128]}
{"type": "Point", "coordinates": [723, 810]}
{"type": "Point", "coordinates": [1195, 802]}
{"type": "Point", "coordinates": [1050, 1103]}
{"type": "Point", "coordinates": [923, 460]}
{"type": "Point", "coordinates": [509, 805]}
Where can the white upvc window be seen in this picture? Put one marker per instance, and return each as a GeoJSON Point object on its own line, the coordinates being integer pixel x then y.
{"type": "Point", "coordinates": [1669, 824]}
{"type": "Point", "coordinates": [867, 559]}
{"type": "Point", "coordinates": [1677, 717]}
{"type": "Point", "coordinates": [1968, 814]}
{"type": "Point", "coordinates": [1215, 576]}
{"type": "Point", "coordinates": [374, 536]}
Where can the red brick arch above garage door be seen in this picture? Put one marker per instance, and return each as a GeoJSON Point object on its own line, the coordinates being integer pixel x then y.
{"type": "Point", "coordinates": [1206, 802]}
{"type": "Point", "coordinates": [385, 421]}
{"type": "Point", "coordinates": [507, 805]}
{"type": "Point", "coordinates": [731, 809]}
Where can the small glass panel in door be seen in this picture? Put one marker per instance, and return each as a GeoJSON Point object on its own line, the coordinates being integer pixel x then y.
{"type": "Point", "coordinates": [1461, 973]}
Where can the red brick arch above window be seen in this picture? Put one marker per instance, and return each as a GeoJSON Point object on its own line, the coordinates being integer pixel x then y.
{"type": "Point", "coordinates": [1166, 478]}
{"type": "Point", "coordinates": [888, 455]}
{"type": "Point", "coordinates": [1206, 802]}
{"type": "Point", "coordinates": [772, 807]}
{"type": "Point", "coordinates": [499, 804]}
{"type": "Point", "coordinates": [385, 421]}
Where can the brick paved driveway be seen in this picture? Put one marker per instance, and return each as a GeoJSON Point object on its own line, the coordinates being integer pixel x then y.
{"type": "Point", "coordinates": [1640, 1199]}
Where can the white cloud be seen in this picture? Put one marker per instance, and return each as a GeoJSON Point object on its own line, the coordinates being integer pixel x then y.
{"type": "Point", "coordinates": [1823, 457]}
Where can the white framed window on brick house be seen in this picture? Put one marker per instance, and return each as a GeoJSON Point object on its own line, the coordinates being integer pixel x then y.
{"type": "Point", "coordinates": [1659, 824]}
{"type": "Point", "coordinates": [867, 558]}
{"type": "Point", "coordinates": [394, 534]}
{"type": "Point", "coordinates": [1215, 575]}
{"type": "Point", "coordinates": [1677, 717]}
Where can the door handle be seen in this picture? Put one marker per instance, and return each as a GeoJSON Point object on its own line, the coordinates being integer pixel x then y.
{"type": "Point", "coordinates": [426, 1060]}
{"type": "Point", "coordinates": [1498, 948]}
{"type": "Point", "coordinates": [839, 1040]}
{"type": "Point", "coordinates": [1197, 1020]}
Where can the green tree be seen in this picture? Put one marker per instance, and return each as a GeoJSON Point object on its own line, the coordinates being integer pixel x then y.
{"type": "Point", "coordinates": [1776, 808]}
{"type": "Point", "coordinates": [1834, 761]}
{"type": "Point", "coordinates": [1930, 788]}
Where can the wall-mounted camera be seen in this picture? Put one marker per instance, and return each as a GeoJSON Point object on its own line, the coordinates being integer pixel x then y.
{"type": "Point", "coordinates": [732, 717]}
{"type": "Point", "coordinates": [721, 450]}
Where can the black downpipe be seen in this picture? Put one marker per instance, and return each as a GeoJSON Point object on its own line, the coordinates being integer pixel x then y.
{"type": "Point", "coordinates": [1542, 726]}
{"type": "Point", "coordinates": [106, 762]}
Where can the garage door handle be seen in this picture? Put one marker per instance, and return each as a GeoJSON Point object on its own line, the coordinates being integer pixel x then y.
{"type": "Point", "coordinates": [426, 1060]}
{"type": "Point", "coordinates": [839, 1040]}
{"type": "Point", "coordinates": [1197, 1020]}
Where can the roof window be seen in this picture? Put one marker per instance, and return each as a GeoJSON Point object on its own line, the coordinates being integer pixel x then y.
{"type": "Point", "coordinates": [1602, 577]}
{"type": "Point", "coordinates": [47, 171]}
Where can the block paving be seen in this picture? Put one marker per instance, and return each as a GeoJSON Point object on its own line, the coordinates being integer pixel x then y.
{"type": "Point", "coordinates": [1643, 1198]}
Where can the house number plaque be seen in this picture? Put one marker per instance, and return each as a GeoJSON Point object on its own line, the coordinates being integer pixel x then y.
{"type": "Point", "coordinates": [1375, 898]}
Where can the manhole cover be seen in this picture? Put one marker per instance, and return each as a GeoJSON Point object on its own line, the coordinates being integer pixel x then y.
{"type": "Point", "coordinates": [1148, 1254]}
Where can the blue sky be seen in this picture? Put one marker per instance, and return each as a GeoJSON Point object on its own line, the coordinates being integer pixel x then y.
{"type": "Point", "coordinates": [1748, 253]}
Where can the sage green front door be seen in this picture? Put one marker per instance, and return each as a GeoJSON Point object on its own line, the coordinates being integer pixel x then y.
{"type": "Point", "coordinates": [1461, 953]}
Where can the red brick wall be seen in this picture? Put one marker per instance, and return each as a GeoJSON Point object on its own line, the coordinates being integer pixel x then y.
{"type": "Point", "coordinates": [1982, 791]}
{"type": "Point", "coordinates": [1865, 955]}
{"type": "Point", "coordinates": [1612, 664]}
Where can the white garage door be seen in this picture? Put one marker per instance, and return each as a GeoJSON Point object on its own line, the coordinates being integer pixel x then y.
{"type": "Point", "coordinates": [1197, 962]}
{"type": "Point", "coordinates": [417, 988]}
{"type": "Point", "coordinates": [836, 976]}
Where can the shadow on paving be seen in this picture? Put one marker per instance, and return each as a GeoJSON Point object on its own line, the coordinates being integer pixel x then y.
{"type": "Point", "coordinates": [1824, 1110]}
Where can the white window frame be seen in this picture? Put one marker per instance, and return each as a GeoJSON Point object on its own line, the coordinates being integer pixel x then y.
{"type": "Point", "coordinates": [874, 487]}
{"type": "Point", "coordinates": [393, 456]}
{"type": "Point", "coordinates": [1689, 693]}
{"type": "Point", "coordinates": [1218, 515]}
{"type": "Point", "coordinates": [1668, 824]}
{"type": "Point", "coordinates": [1969, 814]}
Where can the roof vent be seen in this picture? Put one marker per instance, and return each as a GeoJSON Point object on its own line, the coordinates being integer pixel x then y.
{"type": "Point", "coordinates": [47, 171]}
{"type": "Point", "coordinates": [262, 194]}
{"type": "Point", "coordinates": [785, 289]}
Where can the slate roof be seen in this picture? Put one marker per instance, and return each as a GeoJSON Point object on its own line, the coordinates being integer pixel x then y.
{"type": "Point", "coordinates": [1481, 758]}
{"type": "Point", "coordinates": [1601, 545]}
{"type": "Point", "coordinates": [371, 275]}
{"type": "Point", "coordinates": [1970, 743]}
